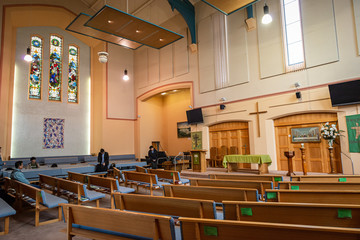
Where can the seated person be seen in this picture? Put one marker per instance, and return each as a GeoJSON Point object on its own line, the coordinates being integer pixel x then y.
{"type": "Point", "coordinates": [32, 164]}
{"type": "Point", "coordinates": [17, 174]}
{"type": "Point", "coordinates": [153, 157]}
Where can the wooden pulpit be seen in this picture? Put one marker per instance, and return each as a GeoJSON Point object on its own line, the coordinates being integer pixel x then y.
{"type": "Point", "coordinates": [198, 160]}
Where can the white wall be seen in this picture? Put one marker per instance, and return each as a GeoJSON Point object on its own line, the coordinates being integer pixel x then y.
{"type": "Point", "coordinates": [28, 115]}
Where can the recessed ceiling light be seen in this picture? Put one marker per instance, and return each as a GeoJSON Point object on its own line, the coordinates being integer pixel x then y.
{"type": "Point", "coordinates": [175, 90]}
{"type": "Point", "coordinates": [137, 31]}
{"type": "Point", "coordinates": [163, 93]}
{"type": "Point", "coordinates": [110, 21]}
{"type": "Point", "coordinates": [161, 39]}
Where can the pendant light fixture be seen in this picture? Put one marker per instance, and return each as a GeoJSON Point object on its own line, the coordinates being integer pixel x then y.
{"type": "Point", "coordinates": [28, 57]}
{"type": "Point", "coordinates": [266, 19]}
{"type": "Point", "coordinates": [126, 76]}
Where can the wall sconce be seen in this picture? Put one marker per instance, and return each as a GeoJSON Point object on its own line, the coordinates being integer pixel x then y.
{"type": "Point", "coordinates": [126, 76]}
{"type": "Point", "coordinates": [266, 19]}
{"type": "Point", "coordinates": [28, 57]}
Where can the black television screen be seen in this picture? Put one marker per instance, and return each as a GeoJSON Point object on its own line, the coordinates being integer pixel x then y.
{"type": "Point", "coordinates": [345, 93]}
{"type": "Point", "coordinates": [194, 116]}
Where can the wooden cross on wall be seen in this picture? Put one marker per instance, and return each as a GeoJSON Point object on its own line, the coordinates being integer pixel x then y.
{"type": "Point", "coordinates": [258, 117]}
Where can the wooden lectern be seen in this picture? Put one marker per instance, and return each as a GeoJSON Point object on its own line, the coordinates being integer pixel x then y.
{"type": "Point", "coordinates": [198, 160]}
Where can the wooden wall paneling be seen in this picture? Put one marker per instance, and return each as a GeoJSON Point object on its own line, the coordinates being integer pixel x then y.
{"type": "Point", "coordinates": [317, 154]}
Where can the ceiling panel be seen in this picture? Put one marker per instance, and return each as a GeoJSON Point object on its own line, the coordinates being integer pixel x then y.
{"type": "Point", "coordinates": [116, 22]}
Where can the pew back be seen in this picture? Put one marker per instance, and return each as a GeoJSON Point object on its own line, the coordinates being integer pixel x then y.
{"type": "Point", "coordinates": [100, 223]}
{"type": "Point", "coordinates": [259, 185]}
{"type": "Point", "coordinates": [320, 185]}
{"type": "Point", "coordinates": [167, 206]}
{"type": "Point", "coordinates": [109, 183]}
{"type": "Point", "coordinates": [78, 177]}
{"type": "Point", "coordinates": [327, 178]}
{"type": "Point", "coordinates": [314, 196]}
{"type": "Point", "coordinates": [331, 215]}
{"type": "Point", "coordinates": [174, 176]}
{"type": "Point", "coordinates": [217, 194]}
{"type": "Point", "coordinates": [140, 177]}
{"type": "Point", "coordinates": [140, 169]}
{"type": "Point", "coordinates": [207, 229]}
{"type": "Point", "coordinates": [273, 178]}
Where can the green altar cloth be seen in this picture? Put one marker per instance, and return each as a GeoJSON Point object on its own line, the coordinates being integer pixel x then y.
{"type": "Point", "coordinates": [259, 159]}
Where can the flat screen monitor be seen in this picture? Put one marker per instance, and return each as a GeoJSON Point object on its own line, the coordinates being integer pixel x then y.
{"type": "Point", "coordinates": [345, 93]}
{"type": "Point", "coordinates": [194, 116]}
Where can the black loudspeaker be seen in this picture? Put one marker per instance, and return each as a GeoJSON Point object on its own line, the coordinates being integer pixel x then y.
{"type": "Point", "coordinates": [222, 106]}
{"type": "Point", "coordinates": [298, 95]}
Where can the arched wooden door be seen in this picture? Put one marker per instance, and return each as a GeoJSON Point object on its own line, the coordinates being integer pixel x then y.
{"type": "Point", "coordinates": [229, 138]}
{"type": "Point", "coordinates": [316, 153]}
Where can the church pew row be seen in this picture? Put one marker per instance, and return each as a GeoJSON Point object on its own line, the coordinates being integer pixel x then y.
{"type": "Point", "coordinates": [146, 180]}
{"type": "Point", "coordinates": [208, 229]}
{"type": "Point", "coordinates": [319, 185]}
{"type": "Point", "coordinates": [261, 186]}
{"type": "Point", "coordinates": [140, 169]}
{"type": "Point", "coordinates": [331, 215]}
{"type": "Point", "coordinates": [37, 198]}
{"type": "Point", "coordinates": [169, 175]}
{"type": "Point", "coordinates": [273, 178]}
{"type": "Point", "coordinates": [100, 184]}
{"type": "Point", "coordinates": [166, 206]}
{"type": "Point", "coordinates": [5, 212]}
{"type": "Point", "coordinates": [326, 178]}
{"type": "Point", "coordinates": [217, 194]}
{"type": "Point", "coordinates": [70, 189]}
{"type": "Point", "coordinates": [314, 196]}
{"type": "Point", "coordinates": [101, 223]}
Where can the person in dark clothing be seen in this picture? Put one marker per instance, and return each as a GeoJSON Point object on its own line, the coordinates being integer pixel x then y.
{"type": "Point", "coordinates": [32, 164]}
{"type": "Point", "coordinates": [153, 154]}
{"type": "Point", "coordinates": [103, 159]}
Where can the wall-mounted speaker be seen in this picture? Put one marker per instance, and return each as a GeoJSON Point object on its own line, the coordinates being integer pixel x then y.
{"type": "Point", "coordinates": [222, 106]}
{"type": "Point", "coordinates": [298, 95]}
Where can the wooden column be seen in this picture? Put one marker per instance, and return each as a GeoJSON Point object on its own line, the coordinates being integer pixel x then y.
{"type": "Point", "coordinates": [290, 155]}
{"type": "Point", "coordinates": [303, 160]}
{"type": "Point", "coordinates": [332, 160]}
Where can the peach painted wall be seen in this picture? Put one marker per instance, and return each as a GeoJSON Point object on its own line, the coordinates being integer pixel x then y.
{"type": "Point", "coordinates": [175, 107]}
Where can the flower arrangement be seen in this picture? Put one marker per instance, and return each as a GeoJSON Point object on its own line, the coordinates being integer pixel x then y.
{"type": "Point", "coordinates": [330, 133]}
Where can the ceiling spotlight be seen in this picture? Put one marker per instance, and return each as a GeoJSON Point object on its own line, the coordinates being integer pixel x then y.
{"type": "Point", "coordinates": [175, 90]}
{"type": "Point", "coordinates": [266, 19]}
{"type": "Point", "coordinates": [137, 31]}
{"type": "Point", "coordinates": [161, 39]}
{"type": "Point", "coordinates": [110, 21]}
{"type": "Point", "coordinates": [28, 57]}
{"type": "Point", "coordinates": [126, 76]}
{"type": "Point", "coordinates": [164, 93]}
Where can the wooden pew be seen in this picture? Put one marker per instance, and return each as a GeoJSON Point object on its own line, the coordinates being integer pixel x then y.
{"type": "Point", "coordinates": [327, 178]}
{"type": "Point", "coordinates": [218, 194]}
{"type": "Point", "coordinates": [207, 229]}
{"type": "Point", "coordinates": [259, 185]}
{"type": "Point", "coordinates": [331, 215]}
{"type": "Point", "coordinates": [166, 206]}
{"type": "Point", "coordinates": [118, 175]}
{"type": "Point", "coordinates": [142, 179]}
{"type": "Point", "coordinates": [100, 184]}
{"type": "Point", "coordinates": [141, 169]}
{"type": "Point", "coordinates": [319, 185]}
{"type": "Point", "coordinates": [5, 212]}
{"type": "Point", "coordinates": [273, 178]}
{"type": "Point", "coordinates": [35, 197]}
{"type": "Point", "coordinates": [101, 223]}
{"type": "Point", "coordinates": [70, 189]}
{"type": "Point", "coordinates": [314, 196]}
{"type": "Point", "coordinates": [169, 175]}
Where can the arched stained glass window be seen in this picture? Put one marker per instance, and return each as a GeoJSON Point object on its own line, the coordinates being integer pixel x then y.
{"type": "Point", "coordinates": [56, 45]}
{"type": "Point", "coordinates": [73, 77]}
{"type": "Point", "coordinates": [36, 67]}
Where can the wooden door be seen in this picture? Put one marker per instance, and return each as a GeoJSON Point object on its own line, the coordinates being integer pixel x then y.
{"type": "Point", "coordinates": [231, 135]}
{"type": "Point", "coordinates": [316, 153]}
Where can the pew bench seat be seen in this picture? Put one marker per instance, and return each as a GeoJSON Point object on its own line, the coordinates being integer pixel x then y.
{"type": "Point", "coordinates": [5, 212]}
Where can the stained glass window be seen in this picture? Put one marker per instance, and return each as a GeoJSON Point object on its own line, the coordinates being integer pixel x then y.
{"type": "Point", "coordinates": [73, 78]}
{"type": "Point", "coordinates": [56, 44]}
{"type": "Point", "coordinates": [35, 68]}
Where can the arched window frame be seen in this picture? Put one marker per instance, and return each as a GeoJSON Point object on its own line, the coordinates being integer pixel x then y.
{"type": "Point", "coordinates": [53, 80]}
{"type": "Point", "coordinates": [35, 73]}
{"type": "Point", "coordinates": [71, 79]}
